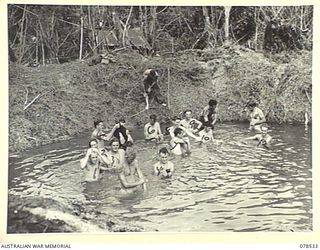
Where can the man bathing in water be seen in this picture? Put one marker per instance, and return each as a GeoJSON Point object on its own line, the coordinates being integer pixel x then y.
{"type": "Point", "coordinates": [100, 135]}
{"type": "Point", "coordinates": [115, 154]}
{"type": "Point", "coordinates": [163, 168]}
{"type": "Point", "coordinates": [256, 116]}
{"type": "Point", "coordinates": [122, 134]}
{"type": "Point", "coordinates": [176, 121]}
{"type": "Point", "coordinates": [130, 176]}
{"type": "Point", "coordinates": [152, 130]}
{"type": "Point", "coordinates": [264, 139]}
{"type": "Point", "coordinates": [208, 114]}
{"type": "Point", "coordinates": [190, 123]}
{"type": "Point", "coordinates": [92, 163]}
{"type": "Point", "coordinates": [151, 88]}
{"type": "Point", "coordinates": [179, 143]}
{"type": "Point", "coordinates": [175, 124]}
{"type": "Point", "coordinates": [206, 134]}
{"type": "Point", "coordinates": [93, 143]}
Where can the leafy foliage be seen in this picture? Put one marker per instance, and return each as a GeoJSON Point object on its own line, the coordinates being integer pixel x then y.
{"type": "Point", "coordinates": [41, 34]}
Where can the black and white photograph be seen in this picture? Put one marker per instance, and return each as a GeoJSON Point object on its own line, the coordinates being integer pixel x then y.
{"type": "Point", "coordinates": [162, 119]}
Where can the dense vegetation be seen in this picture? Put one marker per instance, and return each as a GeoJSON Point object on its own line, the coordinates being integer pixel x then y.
{"type": "Point", "coordinates": [197, 55]}
{"type": "Point", "coordinates": [41, 34]}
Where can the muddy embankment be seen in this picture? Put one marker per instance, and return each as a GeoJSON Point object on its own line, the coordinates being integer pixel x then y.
{"type": "Point", "coordinates": [43, 215]}
{"type": "Point", "coordinates": [55, 102]}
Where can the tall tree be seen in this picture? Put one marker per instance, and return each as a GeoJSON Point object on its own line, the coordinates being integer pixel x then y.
{"type": "Point", "coordinates": [226, 24]}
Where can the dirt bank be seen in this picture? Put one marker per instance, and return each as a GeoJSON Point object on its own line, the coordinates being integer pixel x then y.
{"type": "Point", "coordinates": [43, 215]}
{"type": "Point", "coordinates": [72, 95]}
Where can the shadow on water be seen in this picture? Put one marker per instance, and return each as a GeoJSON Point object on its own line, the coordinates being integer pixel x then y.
{"type": "Point", "coordinates": [233, 186]}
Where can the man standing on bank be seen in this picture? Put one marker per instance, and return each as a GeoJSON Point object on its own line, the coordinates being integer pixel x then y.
{"type": "Point", "coordinates": [151, 87]}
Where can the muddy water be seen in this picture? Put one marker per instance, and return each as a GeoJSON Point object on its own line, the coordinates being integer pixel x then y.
{"type": "Point", "coordinates": [232, 187]}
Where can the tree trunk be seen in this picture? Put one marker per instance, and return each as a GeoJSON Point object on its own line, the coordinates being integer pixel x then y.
{"type": "Point", "coordinates": [124, 33]}
{"type": "Point", "coordinates": [37, 46]}
{"type": "Point", "coordinates": [301, 17]}
{"type": "Point", "coordinates": [22, 39]}
{"type": "Point", "coordinates": [141, 18]}
{"type": "Point", "coordinates": [91, 21]}
{"type": "Point", "coordinates": [81, 33]}
{"type": "Point", "coordinates": [117, 25]}
{"type": "Point", "coordinates": [153, 24]}
{"type": "Point", "coordinates": [206, 18]}
{"type": "Point", "coordinates": [207, 25]}
{"type": "Point", "coordinates": [146, 32]}
{"type": "Point", "coordinates": [43, 55]}
{"type": "Point", "coordinates": [256, 18]}
{"type": "Point", "coordinates": [226, 24]}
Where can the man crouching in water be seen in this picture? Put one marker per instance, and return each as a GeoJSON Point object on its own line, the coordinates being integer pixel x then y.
{"type": "Point", "coordinates": [180, 145]}
{"type": "Point", "coordinates": [91, 164]}
{"type": "Point", "coordinates": [264, 139]}
{"type": "Point", "coordinates": [130, 175]}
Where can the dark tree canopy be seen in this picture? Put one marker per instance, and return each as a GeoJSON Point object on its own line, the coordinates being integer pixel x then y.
{"type": "Point", "coordinates": [58, 33]}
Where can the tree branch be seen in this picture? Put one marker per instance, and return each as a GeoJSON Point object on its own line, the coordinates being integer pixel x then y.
{"type": "Point", "coordinates": [308, 96]}
{"type": "Point", "coordinates": [38, 96]}
{"type": "Point", "coordinates": [125, 27]}
{"type": "Point", "coordinates": [34, 99]}
{"type": "Point", "coordinates": [26, 96]}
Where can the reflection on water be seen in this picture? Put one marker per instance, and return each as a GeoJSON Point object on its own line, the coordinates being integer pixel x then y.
{"type": "Point", "coordinates": [232, 187]}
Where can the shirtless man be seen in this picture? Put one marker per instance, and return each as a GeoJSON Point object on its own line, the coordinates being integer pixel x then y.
{"type": "Point", "coordinates": [152, 130]}
{"type": "Point", "coordinates": [163, 168]}
{"type": "Point", "coordinates": [256, 116]}
{"type": "Point", "coordinates": [209, 113]}
{"type": "Point", "coordinates": [122, 134]}
{"type": "Point", "coordinates": [176, 123]}
{"type": "Point", "coordinates": [206, 134]}
{"type": "Point", "coordinates": [92, 163]}
{"type": "Point", "coordinates": [130, 176]}
{"type": "Point", "coordinates": [100, 135]}
{"type": "Point", "coordinates": [93, 143]}
{"type": "Point", "coordinates": [179, 145]}
{"type": "Point", "coordinates": [115, 154]}
{"type": "Point", "coordinates": [264, 139]}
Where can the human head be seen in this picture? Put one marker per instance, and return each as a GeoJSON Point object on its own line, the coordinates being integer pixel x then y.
{"type": "Point", "coordinates": [93, 143]}
{"type": "Point", "coordinates": [153, 73]}
{"type": "Point", "coordinates": [176, 120]}
{"type": "Point", "coordinates": [98, 124]}
{"type": "Point", "coordinates": [188, 113]}
{"type": "Point", "coordinates": [153, 119]}
{"type": "Point", "coordinates": [122, 121]}
{"type": "Point", "coordinates": [114, 144]}
{"type": "Point", "coordinates": [251, 105]}
{"type": "Point", "coordinates": [212, 103]}
{"type": "Point", "coordinates": [178, 132]}
{"type": "Point", "coordinates": [163, 155]}
{"type": "Point", "coordinates": [264, 127]}
{"type": "Point", "coordinates": [130, 155]}
{"type": "Point", "coordinates": [93, 157]}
